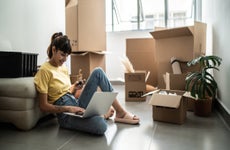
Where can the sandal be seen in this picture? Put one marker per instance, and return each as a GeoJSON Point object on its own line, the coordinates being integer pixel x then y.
{"type": "Point", "coordinates": [128, 118]}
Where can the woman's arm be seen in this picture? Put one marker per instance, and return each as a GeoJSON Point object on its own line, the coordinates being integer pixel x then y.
{"type": "Point", "coordinates": [47, 107]}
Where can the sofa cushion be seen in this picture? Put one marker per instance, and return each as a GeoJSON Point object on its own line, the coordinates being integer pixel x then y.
{"type": "Point", "coordinates": [17, 104]}
{"type": "Point", "coordinates": [17, 87]}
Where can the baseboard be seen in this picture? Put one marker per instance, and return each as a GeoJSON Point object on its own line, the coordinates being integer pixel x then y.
{"type": "Point", "coordinates": [222, 111]}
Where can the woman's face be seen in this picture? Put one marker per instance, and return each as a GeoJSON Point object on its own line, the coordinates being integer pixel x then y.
{"type": "Point", "coordinates": [59, 57]}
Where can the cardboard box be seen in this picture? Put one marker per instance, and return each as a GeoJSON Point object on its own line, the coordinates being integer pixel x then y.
{"type": "Point", "coordinates": [169, 108]}
{"type": "Point", "coordinates": [135, 86]}
{"type": "Point", "coordinates": [85, 25]}
{"type": "Point", "coordinates": [179, 42]}
{"type": "Point", "coordinates": [139, 49]}
{"type": "Point", "coordinates": [86, 61]}
{"type": "Point", "coordinates": [190, 104]}
{"type": "Point", "coordinates": [177, 81]}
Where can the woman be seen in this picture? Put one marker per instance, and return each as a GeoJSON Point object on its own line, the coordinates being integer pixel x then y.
{"type": "Point", "coordinates": [52, 82]}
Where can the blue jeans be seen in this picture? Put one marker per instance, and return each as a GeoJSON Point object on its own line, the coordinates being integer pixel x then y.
{"type": "Point", "coordinates": [94, 125]}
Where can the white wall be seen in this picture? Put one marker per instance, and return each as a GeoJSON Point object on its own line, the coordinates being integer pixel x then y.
{"type": "Point", "coordinates": [216, 14]}
{"type": "Point", "coordinates": [27, 25]}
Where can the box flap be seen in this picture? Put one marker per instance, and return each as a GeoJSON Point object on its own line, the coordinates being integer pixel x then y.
{"type": "Point", "coordinates": [66, 2]}
{"type": "Point", "coordinates": [71, 3]}
{"type": "Point", "coordinates": [199, 39]}
{"type": "Point", "coordinates": [150, 93]}
{"type": "Point", "coordinates": [83, 53]}
{"type": "Point", "coordinates": [173, 32]}
{"type": "Point", "coordinates": [171, 101]}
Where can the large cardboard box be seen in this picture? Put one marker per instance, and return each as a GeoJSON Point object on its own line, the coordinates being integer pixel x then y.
{"type": "Point", "coordinates": [135, 86]}
{"type": "Point", "coordinates": [170, 107]}
{"type": "Point", "coordinates": [85, 25]}
{"type": "Point", "coordinates": [141, 53]}
{"type": "Point", "coordinates": [86, 61]}
{"type": "Point", "coordinates": [181, 43]}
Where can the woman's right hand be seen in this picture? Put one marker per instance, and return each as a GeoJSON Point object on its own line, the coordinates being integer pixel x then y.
{"type": "Point", "coordinates": [75, 109]}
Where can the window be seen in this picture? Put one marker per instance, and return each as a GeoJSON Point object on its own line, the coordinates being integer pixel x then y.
{"type": "Point", "coordinates": [123, 15]}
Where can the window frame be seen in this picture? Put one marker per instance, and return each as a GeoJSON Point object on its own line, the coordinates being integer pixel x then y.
{"type": "Point", "coordinates": [195, 15]}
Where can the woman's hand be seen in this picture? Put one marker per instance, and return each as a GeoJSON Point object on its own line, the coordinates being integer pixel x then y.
{"type": "Point", "coordinates": [77, 88]}
{"type": "Point", "coordinates": [79, 84]}
{"type": "Point", "coordinates": [75, 109]}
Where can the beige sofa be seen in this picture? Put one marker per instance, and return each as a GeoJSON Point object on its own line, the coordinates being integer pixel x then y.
{"type": "Point", "coordinates": [19, 103]}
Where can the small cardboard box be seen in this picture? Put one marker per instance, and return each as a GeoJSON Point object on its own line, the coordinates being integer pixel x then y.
{"type": "Point", "coordinates": [135, 86]}
{"type": "Point", "coordinates": [86, 61]}
{"type": "Point", "coordinates": [169, 108]}
{"type": "Point", "coordinates": [175, 81]}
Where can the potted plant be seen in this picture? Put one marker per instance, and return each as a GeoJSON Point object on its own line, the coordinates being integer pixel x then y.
{"type": "Point", "coordinates": [201, 83]}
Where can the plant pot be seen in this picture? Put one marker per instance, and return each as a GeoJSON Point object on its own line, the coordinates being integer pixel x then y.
{"type": "Point", "coordinates": [203, 107]}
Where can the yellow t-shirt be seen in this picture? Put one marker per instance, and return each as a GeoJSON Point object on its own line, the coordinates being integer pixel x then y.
{"type": "Point", "coordinates": [54, 81]}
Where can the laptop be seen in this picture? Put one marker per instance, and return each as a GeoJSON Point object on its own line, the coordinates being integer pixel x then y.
{"type": "Point", "coordinates": [98, 105]}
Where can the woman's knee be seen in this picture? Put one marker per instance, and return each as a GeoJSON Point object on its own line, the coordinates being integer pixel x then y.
{"type": "Point", "coordinates": [98, 70]}
{"type": "Point", "coordinates": [100, 126]}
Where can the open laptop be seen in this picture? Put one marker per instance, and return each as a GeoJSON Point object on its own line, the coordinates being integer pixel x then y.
{"type": "Point", "coordinates": [98, 105]}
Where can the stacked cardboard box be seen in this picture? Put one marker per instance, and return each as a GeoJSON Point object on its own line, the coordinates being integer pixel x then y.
{"type": "Point", "coordinates": [87, 61]}
{"type": "Point", "coordinates": [85, 26]}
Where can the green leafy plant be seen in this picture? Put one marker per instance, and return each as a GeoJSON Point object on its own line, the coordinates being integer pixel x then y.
{"type": "Point", "coordinates": [201, 83]}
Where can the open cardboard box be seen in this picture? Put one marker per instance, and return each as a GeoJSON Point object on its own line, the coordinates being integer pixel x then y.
{"type": "Point", "coordinates": [135, 85]}
{"type": "Point", "coordinates": [177, 81]}
{"type": "Point", "coordinates": [184, 43]}
{"type": "Point", "coordinates": [169, 108]}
